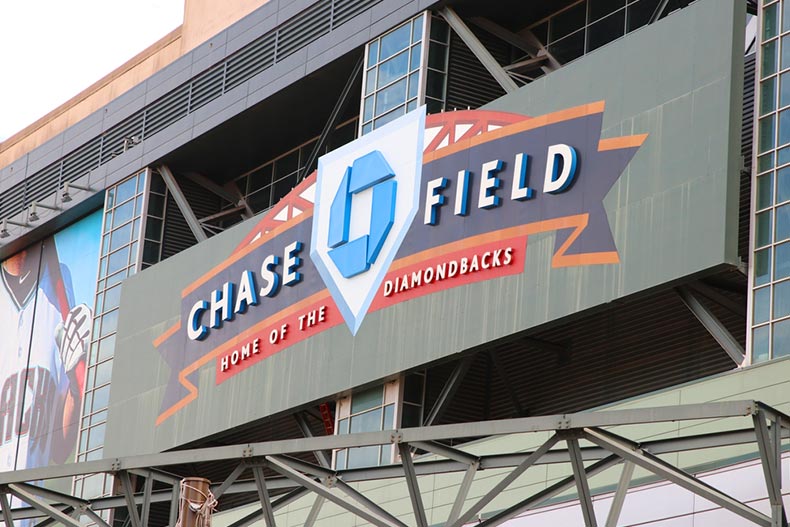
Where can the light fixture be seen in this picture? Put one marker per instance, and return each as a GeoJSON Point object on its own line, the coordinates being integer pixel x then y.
{"type": "Point", "coordinates": [65, 195]}
{"type": "Point", "coordinates": [32, 213]}
{"type": "Point", "coordinates": [4, 227]}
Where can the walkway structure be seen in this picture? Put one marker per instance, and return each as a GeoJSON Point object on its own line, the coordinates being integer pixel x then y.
{"type": "Point", "coordinates": [275, 473]}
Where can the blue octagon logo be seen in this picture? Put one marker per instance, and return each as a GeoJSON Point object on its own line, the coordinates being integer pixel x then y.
{"type": "Point", "coordinates": [367, 195]}
{"type": "Point", "coordinates": [356, 256]}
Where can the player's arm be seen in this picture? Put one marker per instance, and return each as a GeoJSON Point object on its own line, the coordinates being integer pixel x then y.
{"type": "Point", "coordinates": [73, 339]}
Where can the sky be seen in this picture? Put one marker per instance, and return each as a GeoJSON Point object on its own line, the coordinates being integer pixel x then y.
{"type": "Point", "coordinates": [50, 50]}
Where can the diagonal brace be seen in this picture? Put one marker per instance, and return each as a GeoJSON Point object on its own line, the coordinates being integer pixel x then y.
{"type": "Point", "coordinates": [506, 481]}
{"type": "Point", "coordinates": [414, 487]}
{"type": "Point", "coordinates": [281, 466]}
{"type": "Point", "coordinates": [39, 505]}
{"type": "Point", "coordinates": [631, 452]}
{"type": "Point", "coordinates": [128, 494]}
{"type": "Point", "coordinates": [548, 493]}
{"type": "Point", "coordinates": [478, 49]}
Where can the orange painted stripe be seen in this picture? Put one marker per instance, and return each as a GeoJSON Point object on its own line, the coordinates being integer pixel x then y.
{"type": "Point", "coordinates": [172, 330]}
{"type": "Point", "coordinates": [615, 143]}
{"type": "Point", "coordinates": [578, 222]}
{"type": "Point", "coordinates": [571, 260]}
{"type": "Point", "coordinates": [238, 255]}
{"type": "Point", "coordinates": [529, 124]}
{"type": "Point", "coordinates": [241, 337]}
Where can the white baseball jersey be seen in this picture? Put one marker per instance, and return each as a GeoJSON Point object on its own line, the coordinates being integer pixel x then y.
{"type": "Point", "coordinates": [32, 386]}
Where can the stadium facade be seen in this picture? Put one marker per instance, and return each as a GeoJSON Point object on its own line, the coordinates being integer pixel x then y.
{"type": "Point", "coordinates": [406, 262]}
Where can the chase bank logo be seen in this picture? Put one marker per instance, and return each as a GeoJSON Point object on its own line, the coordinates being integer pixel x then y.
{"type": "Point", "coordinates": [367, 195]}
{"type": "Point", "coordinates": [370, 171]}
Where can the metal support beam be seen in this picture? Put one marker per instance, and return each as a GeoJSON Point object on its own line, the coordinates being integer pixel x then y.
{"type": "Point", "coordinates": [478, 49]}
{"type": "Point", "coordinates": [217, 215]}
{"type": "Point", "coordinates": [448, 390]}
{"type": "Point", "coordinates": [770, 455]}
{"type": "Point", "coordinates": [582, 486]}
{"type": "Point", "coordinates": [148, 487]}
{"type": "Point", "coordinates": [365, 501]}
{"type": "Point", "coordinates": [546, 423]}
{"type": "Point", "coordinates": [128, 494]}
{"type": "Point", "coordinates": [174, 504]}
{"type": "Point", "coordinates": [446, 451]}
{"type": "Point", "coordinates": [307, 468]}
{"type": "Point", "coordinates": [230, 480]}
{"type": "Point", "coordinates": [506, 481]}
{"type": "Point", "coordinates": [182, 204]}
{"type": "Point", "coordinates": [98, 520]}
{"type": "Point", "coordinates": [315, 510]}
{"type": "Point", "coordinates": [619, 495]}
{"type": "Point", "coordinates": [511, 392]}
{"type": "Point", "coordinates": [263, 496]}
{"type": "Point", "coordinates": [660, 8]}
{"type": "Point", "coordinates": [49, 521]}
{"type": "Point", "coordinates": [413, 485]}
{"type": "Point", "coordinates": [158, 475]}
{"type": "Point", "coordinates": [463, 492]}
{"type": "Point", "coordinates": [6, 507]}
{"type": "Point", "coordinates": [548, 493]}
{"type": "Point", "coordinates": [631, 452]}
{"type": "Point", "coordinates": [53, 495]}
{"type": "Point", "coordinates": [43, 507]}
{"type": "Point", "coordinates": [215, 189]}
{"type": "Point", "coordinates": [279, 465]}
{"type": "Point", "coordinates": [532, 46]}
{"type": "Point", "coordinates": [713, 325]}
{"type": "Point", "coordinates": [320, 455]}
{"type": "Point", "coordinates": [715, 294]}
{"type": "Point", "coordinates": [332, 121]}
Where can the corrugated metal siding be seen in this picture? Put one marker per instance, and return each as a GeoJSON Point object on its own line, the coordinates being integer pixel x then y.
{"type": "Point", "coordinates": [630, 349]}
{"type": "Point", "coordinates": [469, 85]}
{"type": "Point", "coordinates": [177, 234]}
{"type": "Point", "coordinates": [747, 143]}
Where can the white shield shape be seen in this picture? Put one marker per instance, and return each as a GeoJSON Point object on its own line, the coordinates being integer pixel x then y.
{"type": "Point", "coordinates": [360, 216]}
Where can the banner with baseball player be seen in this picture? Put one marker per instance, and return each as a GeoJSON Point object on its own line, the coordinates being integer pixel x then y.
{"type": "Point", "coordinates": [46, 312]}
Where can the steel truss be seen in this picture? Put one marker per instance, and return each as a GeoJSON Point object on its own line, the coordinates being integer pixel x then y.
{"type": "Point", "coordinates": [279, 478]}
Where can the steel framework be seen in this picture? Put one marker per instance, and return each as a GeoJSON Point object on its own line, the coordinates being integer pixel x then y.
{"type": "Point", "coordinates": [279, 478]}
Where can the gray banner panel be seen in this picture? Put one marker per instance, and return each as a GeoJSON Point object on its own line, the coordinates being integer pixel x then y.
{"type": "Point", "coordinates": [672, 213]}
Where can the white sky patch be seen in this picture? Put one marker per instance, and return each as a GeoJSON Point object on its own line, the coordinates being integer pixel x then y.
{"type": "Point", "coordinates": [52, 50]}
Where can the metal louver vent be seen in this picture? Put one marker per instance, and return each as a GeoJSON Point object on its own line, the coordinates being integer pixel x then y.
{"type": "Point", "coordinates": [119, 138]}
{"type": "Point", "coordinates": [256, 57]}
{"type": "Point", "coordinates": [291, 36]}
{"type": "Point", "coordinates": [296, 33]}
{"type": "Point", "coordinates": [167, 110]}
{"type": "Point", "coordinates": [747, 140]}
{"type": "Point", "coordinates": [38, 189]}
{"type": "Point", "coordinates": [206, 87]}
{"type": "Point", "coordinates": [345, 10]}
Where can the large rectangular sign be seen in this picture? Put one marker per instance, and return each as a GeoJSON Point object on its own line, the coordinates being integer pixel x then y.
{"type": "Point", "coordinates": [435, 234]}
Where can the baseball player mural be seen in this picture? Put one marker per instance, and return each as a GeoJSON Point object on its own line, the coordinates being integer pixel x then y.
{"type": "Point", "coordinates": [46, 292]}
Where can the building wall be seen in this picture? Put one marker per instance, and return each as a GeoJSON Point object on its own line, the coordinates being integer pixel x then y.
{"type": "Point", "coordinates": [205, 18]}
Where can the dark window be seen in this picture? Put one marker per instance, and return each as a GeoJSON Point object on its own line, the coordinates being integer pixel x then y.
{"type": "Point", "coordinates": [639, 13]}
{"type": "Point", "coordinates": [568, 48]}
{"type": "Point", "coordinates": [606, 30]}
{"type": "Point", "coordinates": [568, 21]}
{"type": "Point", "coordinates": [601, 8]}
